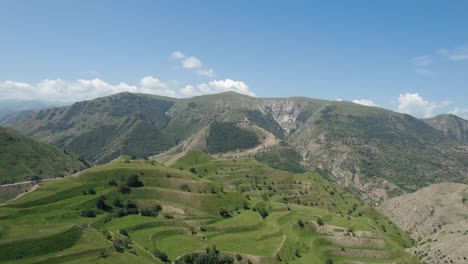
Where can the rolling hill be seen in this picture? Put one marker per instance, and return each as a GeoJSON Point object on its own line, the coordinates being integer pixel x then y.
{"type": "Point", "coordinates": [373, 151]}
{"type": "Point", "coordinates": [230, 211]}
{"type": "Point", "coordinates": [22, 158]}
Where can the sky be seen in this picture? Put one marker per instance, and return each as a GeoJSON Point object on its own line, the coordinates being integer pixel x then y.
{"type": "Point", "coordinates": [407, 56]}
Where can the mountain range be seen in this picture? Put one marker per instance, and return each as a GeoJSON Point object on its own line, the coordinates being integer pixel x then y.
{"type": "Point", "coordinates": [372, 151]}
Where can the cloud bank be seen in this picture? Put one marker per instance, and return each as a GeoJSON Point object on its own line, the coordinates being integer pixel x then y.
{"type": "Point", "coordinates": [59, 90]}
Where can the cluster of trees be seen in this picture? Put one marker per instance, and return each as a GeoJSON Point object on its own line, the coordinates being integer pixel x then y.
{"type": "Point", "coordinates": [224, 137]}
{"type": "Point", "coordinates": [210, 256]}
{"type": "Point", "coordinates": [151, 211]}
{"type": "Point", "coordinates": [124, 184]}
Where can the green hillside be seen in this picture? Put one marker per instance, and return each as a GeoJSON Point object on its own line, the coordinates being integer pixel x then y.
{"type": "Point", "coordinates": [363, 147]}
{"type": "Point", "coordinates": [395, 147]}
{"type": "Point", "coordinates": [22, 158]}
{"type": "Point", "coordinates": [139, 211]}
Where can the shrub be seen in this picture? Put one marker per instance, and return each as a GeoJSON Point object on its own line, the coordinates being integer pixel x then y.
{"type": "Point", "coordinates": [161, 255]}
{"type": "Point", "coordinates": [224, 213]}
{"type": "Point", "coordinates": [88, 213]}
{"type": "Point", "coordinates": [151, 211]}
{"type": "Point", "coordinates": [112, 182]}
{"type": "Point", "coordinates": [120, 213]}
{"type": "Point", "coordinates": [133, 181]}
{"type": "Point", "coordinates": [184, 187]}
{"type": "Point", "coordinates": [262, 211]}
{"type": "Point", "coordinates": [123, 232]}
{"type": "Point", "coordinates": [320, 221]}
{"type": "Point", "coordinates": [131, 207]}
{"type": "Point", "coordinates": [300, 223]}
{"type": "Point", "coordinates": [124, 189]}
{"type": "Point", "coordinates": [328, 261]}
{"type": "Point", "coordinates": [100, 204]}
{"type": "Point", "coordinates": [117, 203]}
{"type": "Point", "coordinates": [91, 191]}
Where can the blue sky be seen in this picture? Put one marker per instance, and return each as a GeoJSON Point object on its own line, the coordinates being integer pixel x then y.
{"type": "Point", "coordinates": [409, 56]}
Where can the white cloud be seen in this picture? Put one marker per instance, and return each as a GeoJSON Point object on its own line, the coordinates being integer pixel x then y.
{"type": "Point", "coordinates": [425, 60]}
{"type": "Point", "coordinates": [456, 54]}
{"type": "Point", "coordinates": [153, 85]}
{"type": "Point", "coordinates": [365, 102]}
{"type": "Point", "coordinates": [191, 63]}
{"type": "Point", "coordinates": [414, 104]}
{"type": "Point", "coordinates": [177, 55]}
{"type": "Point", "coordinates": [225, 86]}
{"type": "Point", "coordinates": [59, 90]}
{"type": "Point", "coordinates": [207, 72]}
{"type": "Point", "coordinates": [189, 90]}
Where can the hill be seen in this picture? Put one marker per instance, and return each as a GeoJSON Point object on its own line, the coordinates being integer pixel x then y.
{"type": "Point", "coordinates": [140, 211]}
{"type": "Point", "coordinates": [22, 158]}
{"type": "Point", "coordinates": [375, 152]}
{"type": "Point", "coordinates": [436, 217]}
{"type": "Point", "coordinates": [450, 125]}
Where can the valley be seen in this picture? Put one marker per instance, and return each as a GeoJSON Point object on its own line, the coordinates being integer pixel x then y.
{"type": "Point", "coordinates": [250, 212]}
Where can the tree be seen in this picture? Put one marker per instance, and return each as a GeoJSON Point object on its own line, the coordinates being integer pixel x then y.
{"type": "Point", "coordinates": [262, 211]}
{"type": "Point", "coordinates": [224, 213]}
{"type": "Point", "coordinates": [151, 211]}
{"type": "Point", "coordinates": [300, 223]}
{"type": "Point", "coordinates": [132, 207]}
{"type": "Point", "coordinates": [88, 213]}
{"type": "Point", "coordinates": [133, 181]}
{"type": "Point", "coordinates": [112, 182]}
{"type": "Point", "coordinates": [161, 255]}
{"type": "Point", "coordinates": [117, 203]}
{"type": "Point", "coordinates": [100, 204]}
{"type": "Point", "coordinates": [320, 221]}
{"type": "Point", "coordinates": [124, 189]}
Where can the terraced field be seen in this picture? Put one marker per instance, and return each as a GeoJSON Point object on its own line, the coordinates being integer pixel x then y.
{"type": "Point", "coordinates": [249, 211]}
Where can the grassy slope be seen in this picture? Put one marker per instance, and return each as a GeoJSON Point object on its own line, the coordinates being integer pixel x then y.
{"type": "Point", "coordinates": [376, 143]}
{"type": "Point", "coordinates": [194, 223]}
{"type": "Point", "coordinates": [22, 157]}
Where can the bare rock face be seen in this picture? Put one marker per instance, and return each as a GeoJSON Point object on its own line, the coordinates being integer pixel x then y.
{"type": "Point", "coordinates": [437, 217]}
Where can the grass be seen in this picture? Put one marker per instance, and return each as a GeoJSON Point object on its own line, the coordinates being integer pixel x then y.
{"type": "Point", "coordinates": [190, 220]}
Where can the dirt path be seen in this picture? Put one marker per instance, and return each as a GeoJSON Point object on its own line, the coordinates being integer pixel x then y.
{"type": "Point", "coordinates": [26, 182]}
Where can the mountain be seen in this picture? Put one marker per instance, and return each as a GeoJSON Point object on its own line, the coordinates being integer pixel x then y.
{"type": "Point", "coordinates": [437, 218]}
{"type": "Point", "coordinates": [373, 151]}
{"type": "Point", "coordinates": [22, 158]}
{"type": "Point", "coordinates": [451, 125]}
{"type": "Point", "coordinates": [140, 211]}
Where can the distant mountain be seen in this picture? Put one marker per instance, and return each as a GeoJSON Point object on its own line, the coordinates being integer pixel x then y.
{"type": "Point", "coordinates": [11, 106]}
{"type": "Point", "coordinates": [22, 158]}
{"type": "Point", "coordinates": [450, 125]}
{"type": "Point", "coordinates": [374, 151]}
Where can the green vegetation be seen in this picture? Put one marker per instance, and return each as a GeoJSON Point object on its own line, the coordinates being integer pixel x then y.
{"type": "Point", "coordinates": [383, 144]}
{"type": "Point", "coordinates": [224, 137]}
{"type": "Point", "coordinates": [22, 158]}
{"type": "Point", "coordinates": [386, 149]}
{"type": "Point", "coordinates": [250, 212]}
{"type": "Point", "coordinates": [282, 157]}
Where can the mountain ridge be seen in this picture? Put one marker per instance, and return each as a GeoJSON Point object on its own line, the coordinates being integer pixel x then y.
{"type": "Point", "coordinates": [377, 152]}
